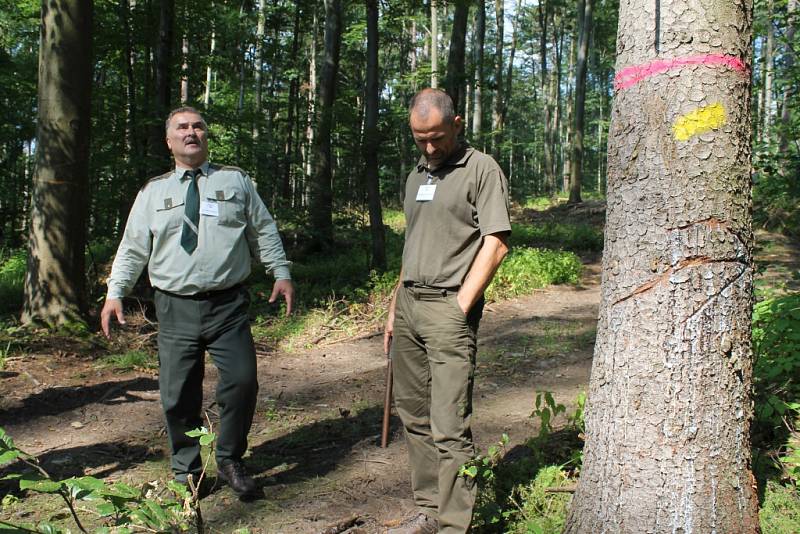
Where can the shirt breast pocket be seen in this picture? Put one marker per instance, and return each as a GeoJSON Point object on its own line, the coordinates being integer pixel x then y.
{"type": "Point", "coordinates": [168, 217]}
{"type": "Point", "coordinates": [230, 203]}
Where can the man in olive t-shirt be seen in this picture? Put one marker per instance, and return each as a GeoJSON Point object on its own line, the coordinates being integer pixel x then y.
{"type": "Point", "coordinates": [457, 226]}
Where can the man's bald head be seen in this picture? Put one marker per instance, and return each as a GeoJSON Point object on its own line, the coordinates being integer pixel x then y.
{"type": "Point", "coordinates": [431, 99]}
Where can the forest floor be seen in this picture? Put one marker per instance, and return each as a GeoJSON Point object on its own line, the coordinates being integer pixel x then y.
{"type": "Point", "coordinates": [314, 446]}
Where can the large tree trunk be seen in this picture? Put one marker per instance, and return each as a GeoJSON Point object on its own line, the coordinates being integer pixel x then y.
{"type": "Point", "coordinates": [54, 283]}
{"type": "Point", "coordinates": [576, 161]}
{"type": "Point", "coordinates": [456, 80]}
{"type": "Point", "coordinates": [321, 185]}
{"type": "Point", "coordinates": [668, 420]}
{"type": "Point", "coordinates": [371, 140]}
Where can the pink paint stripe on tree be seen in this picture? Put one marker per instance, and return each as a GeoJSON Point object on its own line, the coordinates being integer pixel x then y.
{"type": "Point", "coordinates": [630, 76]}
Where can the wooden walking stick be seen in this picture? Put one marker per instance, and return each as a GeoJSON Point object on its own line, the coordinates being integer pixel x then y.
{"type": "Point", "coordinates": [387, 403]}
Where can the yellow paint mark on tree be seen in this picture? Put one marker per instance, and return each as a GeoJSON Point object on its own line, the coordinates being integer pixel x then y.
{"type": "Point", "coordinates": [699, 121]}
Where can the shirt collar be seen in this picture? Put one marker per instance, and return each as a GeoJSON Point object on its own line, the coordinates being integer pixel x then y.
{"type": "Point", "coordinates": [458, 158]}
{"type": "Point", "coordinates": [180, 171]}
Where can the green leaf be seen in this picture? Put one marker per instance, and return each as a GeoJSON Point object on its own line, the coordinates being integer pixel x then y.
{"type": "Point", "coordinates": [471, 471]}
{"type": "Point", "coordinates": [42, 485]}
{"type": "Point", "coordinates": [90, 483]}
{"type": "Point", "coordinates": [157, 511]}
{"type": "Point", "coordinates": [47, 528]}
{"type": "Point", "coordinates": [9, 456]}
{"type": "Point", "coordinates": [106, 509]}
{"type": "Point", "coordinates": [207, 439]}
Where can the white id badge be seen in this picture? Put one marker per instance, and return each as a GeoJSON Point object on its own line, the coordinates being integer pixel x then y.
{"type": "Point", "coordinates": [426, 192]}
{"type": "Point", "coordinates": [209, 208]}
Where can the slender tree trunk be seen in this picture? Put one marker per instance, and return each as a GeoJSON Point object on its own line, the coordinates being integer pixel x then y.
{"type": "Point", "coordinates": [569, 116]}
{"type": "Point", "coordinates": [54, 282]}
{"type": "Point", "coordinates": [509, 78]}
{"type": "Point", "coordinates": [185, 60]}
{"type": "Point", "coordinates": [434, 45]}
{"type": "Point", "coordinates": [668, 417]}
{"type": "Point", "coordinates": [258, 82]}
{"type": "Point", "coordinates": [497, 112]}
{"type": "Point", "coordinates": [585, 28]}
{"type": "Point", "coordinates": [766, 119]}
{"type": "Point", "coordinates": [209, 71]}
{"type": "Point", "coordinates": [294, 88]}
{"type": "Point", "coordinates": [455, 79]}
{"type": "Point", "coordinates": [371, 140]}
{"type": "Point", "coordinates": [134, 141]}
{"type": "Point", "coordinates": [312, 103]}
{"type": "Point", "coordinates": [480, 36]}
{"type": "Point", "coordinates": [163, 82]}
{"type": "Point", "coordinates": [547, 138]}
{"type": "Point", "coordinates": [322, 188]}
{"type": "Point", "coordinates": [413, 52]}
{"type": "Point", "coordinates": [789, 91]}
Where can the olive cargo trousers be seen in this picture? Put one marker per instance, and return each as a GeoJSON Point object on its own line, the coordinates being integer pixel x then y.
{"type": "Point", "coordinates": [433, 359]}
{"type": "Point", "coordinates": [188, 326]}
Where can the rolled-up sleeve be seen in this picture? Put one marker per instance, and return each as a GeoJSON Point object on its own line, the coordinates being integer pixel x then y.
{"type": "Point", "coordinates": [262, 235]}
{"type": "Point", "coordinates": [133, 252]}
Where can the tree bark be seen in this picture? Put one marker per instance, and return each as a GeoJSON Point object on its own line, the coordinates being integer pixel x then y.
{"type": "Point", "coordinates": [576, 161]}
{"type": "Point", "coordinates": [54, 282]}
{"type": "Point", "coordinates": [321, 194]}
{"type": "Point", "coordinates": [668, 417]}
{"type": "Point", "coordinates": [371, 140]}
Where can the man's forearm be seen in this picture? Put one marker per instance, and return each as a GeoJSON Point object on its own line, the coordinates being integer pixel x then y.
{"type": "Point", "coordinates": [489, 258]}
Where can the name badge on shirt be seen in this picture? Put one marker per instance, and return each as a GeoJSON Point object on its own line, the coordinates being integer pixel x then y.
{"type": "Point", "coordinates": [426, 192]}
{"type": "Point", "coordinates": [209, 208]}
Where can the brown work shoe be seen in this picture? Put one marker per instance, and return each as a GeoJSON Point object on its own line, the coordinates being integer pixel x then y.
{"type": "Point", "coordinates": [235, 475]}
{"type": "Point", "coordinates": [418, 524]}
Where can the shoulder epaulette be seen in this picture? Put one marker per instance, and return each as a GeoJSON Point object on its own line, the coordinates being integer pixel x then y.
{"type": "Point", "coordinates": [233, 168]}
{"type": "Point", "coordinates": [157, 178]}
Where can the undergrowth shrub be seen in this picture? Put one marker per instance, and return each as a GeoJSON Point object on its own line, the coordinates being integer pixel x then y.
{"type": "Point", "coordinates": [12, 277]}
{"type": "Point", "coordinates": [776, 378]}
{"type": "Point", "coordinates": [567, 236]}
{"type": "Point", "coordinates": [526, 269]}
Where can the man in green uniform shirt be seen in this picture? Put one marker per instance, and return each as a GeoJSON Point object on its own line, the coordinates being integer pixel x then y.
{"type": "Point", "coordinates": [197, 228]}
{"type": "Point", "coordinates": [457, 225]}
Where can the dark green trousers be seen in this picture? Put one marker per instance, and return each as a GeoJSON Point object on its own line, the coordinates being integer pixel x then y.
{"type": "Point", "coordinates": [216, 322]}
{"type": "Point", "coordinates": [433, 359]}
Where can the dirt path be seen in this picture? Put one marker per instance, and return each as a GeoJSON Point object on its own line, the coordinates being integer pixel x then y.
{"type": "Point", "coordinates": [314, 443]}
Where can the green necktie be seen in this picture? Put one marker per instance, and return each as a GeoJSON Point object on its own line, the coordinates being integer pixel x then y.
{"type": "Point", "coordinates": [191, 215]}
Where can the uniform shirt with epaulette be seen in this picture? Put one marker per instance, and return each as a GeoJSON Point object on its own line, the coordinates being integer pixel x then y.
{"type": "Point", "coordinates": [235, 226]}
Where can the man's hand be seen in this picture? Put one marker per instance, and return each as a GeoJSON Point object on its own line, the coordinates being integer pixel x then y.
{"type": "Point", "coordinates": [285, 288]}
{"type": "Point", "coordinates": [388, 331]}
{"type": "Point", "coordinates": [111, 307]}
